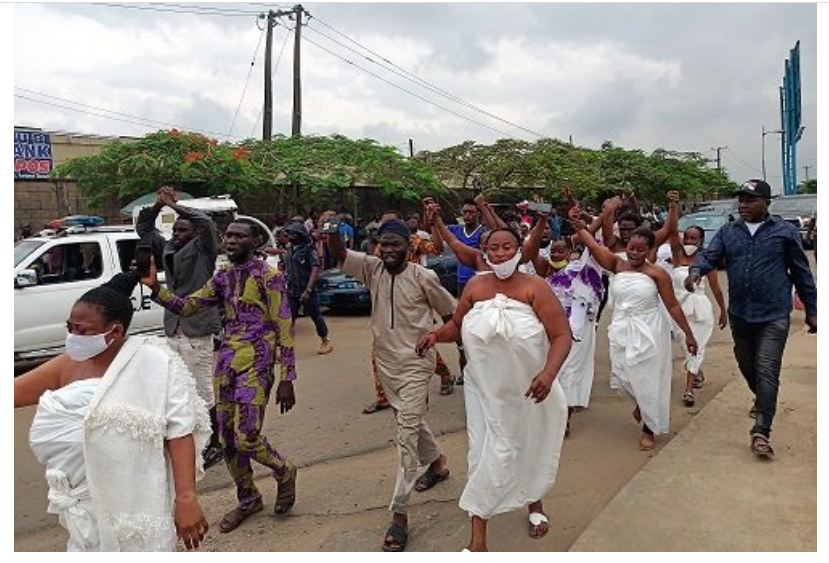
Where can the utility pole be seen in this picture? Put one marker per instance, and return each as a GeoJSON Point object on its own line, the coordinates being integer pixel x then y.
{"type": "Point", "coordinates": [411, 148]}
{"type": "Point", "coordinates": [719, 160]}
{"type": "Point", "coordinates": [267, 113]}
{"type": "Point", "coordinates": [296, 121]}
{"type": "Point", "coordinates": [806, 168]}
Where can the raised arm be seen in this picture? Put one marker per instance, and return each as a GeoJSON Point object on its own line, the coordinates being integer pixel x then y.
{"type": "Point", "coordinates": [609, 209]}
{"type": "Point", "coordinates": [488, 216]}
{"type": "Point", "coordinates": [202, 225]}
{"type": "Point", "coordinates": [530, 247]}
{"type": "Point", "coordinates": [604, 257]}
{"type": "Point", "coordinates": [437, 240]}
{"type": "Point", "coordinates": [466, 255]}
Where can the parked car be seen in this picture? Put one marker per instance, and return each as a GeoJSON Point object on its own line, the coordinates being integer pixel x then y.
{"type": "Point", "coordinates": [709, 221]}
{"type": "Point", "coordinates": [797, 210]}
{"type": "Point", "coordinates": [446, 267]}
{"type": "Point", "coordinates": [717, 206]}
{"type": "Point", "coordinates": [340, 292]}
{"type": "Point", "coordinates": [52, 271]}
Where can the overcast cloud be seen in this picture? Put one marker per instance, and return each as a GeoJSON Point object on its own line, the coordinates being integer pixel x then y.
{"type": "Point", "coordinates": [684, 77]}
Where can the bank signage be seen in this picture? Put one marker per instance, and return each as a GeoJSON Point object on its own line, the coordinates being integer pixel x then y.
{"type": "Point", "coordinates": [32, 155]}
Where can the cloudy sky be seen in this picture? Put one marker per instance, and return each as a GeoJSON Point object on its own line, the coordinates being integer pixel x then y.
{"type": "Point", "coordinates": [684, 77]}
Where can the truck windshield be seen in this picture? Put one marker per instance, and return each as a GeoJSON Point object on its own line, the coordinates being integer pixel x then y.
{"type": "Point", "coordinates": [24, 248]}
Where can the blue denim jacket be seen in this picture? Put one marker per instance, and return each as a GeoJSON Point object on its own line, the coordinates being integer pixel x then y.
{"type": "Point", "coordinates": [761, 269]}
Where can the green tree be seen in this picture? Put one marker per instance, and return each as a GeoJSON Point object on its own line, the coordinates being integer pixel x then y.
{"type": "Point", "coordinates": [809, 187]}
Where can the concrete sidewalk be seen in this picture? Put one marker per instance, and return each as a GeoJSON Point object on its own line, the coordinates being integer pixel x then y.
{"type": "Point", "coordinates": [706, 491]}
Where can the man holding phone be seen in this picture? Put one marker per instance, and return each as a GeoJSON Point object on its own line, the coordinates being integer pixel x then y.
{"type": "Point", "coordinates": [189, 260]}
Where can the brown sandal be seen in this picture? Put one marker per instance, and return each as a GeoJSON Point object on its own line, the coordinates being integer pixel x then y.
{"type": "Point", "coordinates": [286, 493]}
{"type": "Point", "coordinates": [760, 446]}
{"type": "Point", "coordinates": [235, 517]}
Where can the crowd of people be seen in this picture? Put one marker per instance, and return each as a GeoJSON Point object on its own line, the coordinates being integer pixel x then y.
{"type": "Point", "coordinates": [532, 286]}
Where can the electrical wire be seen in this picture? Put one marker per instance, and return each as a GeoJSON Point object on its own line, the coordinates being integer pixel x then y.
{"type": "Point", "coordinates": [413, 77]}
{"type": "Point", "coordinates": [126, 118]}
{"type": "Point", "coordinates": [418, 96]}
{"type": "Point", "coordinates": [737, 158]}
{"type": "Point", "coordinates": [275, 66]}
{"type": "Point", "coordinates": [247, 80]}
{"type": "Point", "coordinates": [200, 12]}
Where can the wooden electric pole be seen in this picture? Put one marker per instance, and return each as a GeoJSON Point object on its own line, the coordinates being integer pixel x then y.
{"type": "Point", "coordinates": [267, 113]}
{"type": "Point", "coordinates": [296, 121]}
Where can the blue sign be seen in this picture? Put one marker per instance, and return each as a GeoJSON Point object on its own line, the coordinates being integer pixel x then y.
{"type": "Point", "coordinates": [32, 155]}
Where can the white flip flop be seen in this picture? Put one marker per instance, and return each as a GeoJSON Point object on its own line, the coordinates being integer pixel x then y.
{"type": "Point", "coordinates": [536, 518]}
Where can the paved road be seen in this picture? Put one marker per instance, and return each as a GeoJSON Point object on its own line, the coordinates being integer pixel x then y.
{"type": "Point", "coordinates": [349, 458]}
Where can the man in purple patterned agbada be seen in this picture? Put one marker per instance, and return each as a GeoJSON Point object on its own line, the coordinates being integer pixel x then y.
{"type": "Point", "coordinates": [256, 334]}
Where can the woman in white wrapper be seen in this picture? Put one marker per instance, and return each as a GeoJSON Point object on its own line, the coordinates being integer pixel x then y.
{"type": "Point", "coordinates": [516, 337]}
{"type": "Point", "coordinates": [578, 286]}
{"type": "Point", "coordinates": [696, 306]}
{"type": "Point", "coordinates": [640, 336]}
{"type": "Point", "coordinates": [118, 425]}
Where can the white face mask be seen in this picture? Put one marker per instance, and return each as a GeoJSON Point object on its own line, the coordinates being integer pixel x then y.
{"type": "Point", "coordinates": [81, 347]}
{"type": "Point", "coordinates": [505, 269]}
{"type": "Point", "coordinates": [690, 249]}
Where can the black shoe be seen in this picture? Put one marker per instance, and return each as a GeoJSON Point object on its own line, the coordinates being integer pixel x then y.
{"type": "Point", "coordinates": [212, 455]}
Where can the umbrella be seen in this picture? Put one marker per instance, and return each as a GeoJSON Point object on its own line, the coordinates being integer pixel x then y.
{"type": "Point", "coordinates": [148, 199]}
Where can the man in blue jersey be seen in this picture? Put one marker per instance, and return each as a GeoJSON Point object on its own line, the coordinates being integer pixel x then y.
{"type": "Point", "coordinates": [470, 234]}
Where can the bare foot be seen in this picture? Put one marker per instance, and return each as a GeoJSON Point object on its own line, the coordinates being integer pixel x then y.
{"type": "Point", "coordinates": [646, 442]}
{"type": "Point", "coordinates": [539, 525]}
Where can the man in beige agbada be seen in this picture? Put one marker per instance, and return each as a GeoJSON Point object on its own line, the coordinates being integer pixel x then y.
{"type": "Point", "coordinates": [403, 296]}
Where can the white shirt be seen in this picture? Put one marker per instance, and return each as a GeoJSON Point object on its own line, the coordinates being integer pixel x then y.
{"type": "Point", "coordinates": [752, 227]}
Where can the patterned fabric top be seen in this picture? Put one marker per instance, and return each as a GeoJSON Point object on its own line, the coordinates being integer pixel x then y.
{"type": "Point", "coordinates": [256, 319]}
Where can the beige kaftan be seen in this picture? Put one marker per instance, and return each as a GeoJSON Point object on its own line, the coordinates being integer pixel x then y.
{"type": "Point", "coordinates": [401, 314]}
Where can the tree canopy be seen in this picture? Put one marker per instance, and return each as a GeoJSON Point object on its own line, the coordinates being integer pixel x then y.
{"type": "Point", "coordinates": [808, 187]}
{"type": "Point", "coordinates": [317, 164]}
{"type": "Point", "coordinates": [542, 168]}
{"type": "Point", "coordinates": [310, 170]}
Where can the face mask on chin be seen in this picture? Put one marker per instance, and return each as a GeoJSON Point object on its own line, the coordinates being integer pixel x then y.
{"type": "Point", "coordinates": [505, 269]}
{"type": "Point", "coordinates": [82, 347]}
{"type": "Point", "coordinates": [559, 265]}
{"type": "Point", "coordinates": [690, 249]}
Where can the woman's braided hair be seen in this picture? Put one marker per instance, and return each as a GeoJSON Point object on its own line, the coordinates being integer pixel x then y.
{"type": "Point", "coordinates": [113, 298]}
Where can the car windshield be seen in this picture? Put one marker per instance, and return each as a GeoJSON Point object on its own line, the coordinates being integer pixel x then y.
{"type": "Point", "coordinates": [24, 248]}
{"type": "Point", "coordinates": [797, 206]}
{"type": "Point", "coordinates": [722, 205]}
{"type": "Point", "coordinates": [707, 222]}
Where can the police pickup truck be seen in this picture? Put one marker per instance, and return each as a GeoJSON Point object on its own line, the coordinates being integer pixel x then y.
{"type": "Point", "coordinates": [52, 271]}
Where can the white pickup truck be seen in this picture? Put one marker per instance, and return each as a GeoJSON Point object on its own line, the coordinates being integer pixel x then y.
{"type": "Point", "coordinates": [52, 271]}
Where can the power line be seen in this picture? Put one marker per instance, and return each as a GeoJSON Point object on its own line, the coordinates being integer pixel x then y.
{"type": "Point", "coordinates": [247, 80]}
{"type": "Point", "coordinates": [413, 77]}
{"type": "Point", "coordinates": [378, 77]}
{"type": "Point", "coordinates": [275, 66]}
{"type": "Point", "coordinates": [132, 119]}
{"type": "Point", "coordinates": [737, 157]}
{"type": "Point", "coordinates": [189, 11]}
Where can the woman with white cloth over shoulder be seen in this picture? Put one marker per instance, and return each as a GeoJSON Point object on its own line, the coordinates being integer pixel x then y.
{"type": "Point", "coordinates": [639, 334]}
{"type": "Point", "coordinates": [516, 338]}
{"type": "Point", "coordinates": [118, 425]}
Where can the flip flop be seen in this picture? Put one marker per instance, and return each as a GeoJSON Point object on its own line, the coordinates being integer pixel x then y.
{"type": "Point", "coordinates": [430, 478]}
{"type": "Point", "coordinates": [536, 519]}
{"type": "Point", "coordinates": [376, 407]}
{"type": "Point", "coordinates": [400, 537]}
{"type": "Point", "coordinates": [447, 387]}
